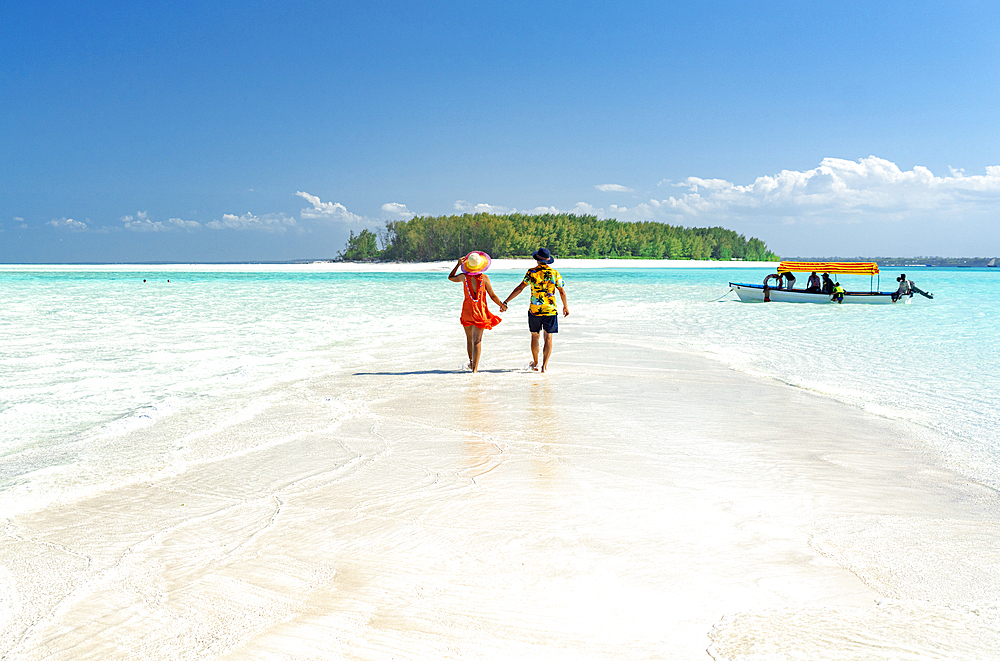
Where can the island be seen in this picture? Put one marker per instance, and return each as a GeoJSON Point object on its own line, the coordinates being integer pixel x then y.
{"type": "Point", "coordinates": [441, 238]}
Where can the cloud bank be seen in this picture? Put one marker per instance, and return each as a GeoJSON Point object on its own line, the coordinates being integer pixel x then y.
{"type": "Point", "coordinates": [274, 223]}
{"type": "Point", "coordinates": [868, 206]}
{"type": "Point", "coordinates": [870, 189]}
{"type": "Point", "coordinates": [580, 209]}
{"type": "Point", "coordinates": [141, 222]}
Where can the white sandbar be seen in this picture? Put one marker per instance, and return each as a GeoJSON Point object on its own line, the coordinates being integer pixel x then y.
{"type": "Point", "coordinates": [632, 504]}
{"type": "Point", "coordinates": [389, 267]}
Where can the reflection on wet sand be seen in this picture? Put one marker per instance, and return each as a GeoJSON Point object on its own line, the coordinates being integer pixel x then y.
{"type": "Point", "coordinates": [546, 430]}
{"type": "Point", "coordinates": [478, 418]}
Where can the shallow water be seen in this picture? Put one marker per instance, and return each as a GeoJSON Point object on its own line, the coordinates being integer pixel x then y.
{"type": "Point", "coordinates": [91, 353]}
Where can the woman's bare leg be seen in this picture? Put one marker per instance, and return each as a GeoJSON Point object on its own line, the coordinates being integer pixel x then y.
{"type": "Point", "coordinates": [474, 345]}
{"type": "Point", "coordinates": [470, 346]}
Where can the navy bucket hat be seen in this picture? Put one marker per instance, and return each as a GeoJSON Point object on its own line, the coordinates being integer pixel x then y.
{"type": "Point", "coordinates": [544, 256]}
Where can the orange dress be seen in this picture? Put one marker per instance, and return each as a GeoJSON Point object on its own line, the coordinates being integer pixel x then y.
{"type": "Point", "coordinates": [474, 310]}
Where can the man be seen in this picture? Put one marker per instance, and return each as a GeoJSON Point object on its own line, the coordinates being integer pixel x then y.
{"type": "Point", "coordinates": [838, 293]}
{"type": "Point", "coordinates": [543, 315]}
{"type": "Point", "coordinates": [904, 287]}
{"type": "Point", "coordinates": [813, 285]}
{"type": "Point", "coordinates": [827, 284]}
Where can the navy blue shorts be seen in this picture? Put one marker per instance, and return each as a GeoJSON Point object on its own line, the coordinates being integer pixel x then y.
{"type": "Point", "coordinates": [549, 323]}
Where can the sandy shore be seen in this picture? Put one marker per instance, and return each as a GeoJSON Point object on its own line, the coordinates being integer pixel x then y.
{"type": "Point", "coordinates": [633, 504]}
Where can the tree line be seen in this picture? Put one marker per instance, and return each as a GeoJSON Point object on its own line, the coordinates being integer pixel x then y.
{"type": "Point", "coordinates": [445, 238]}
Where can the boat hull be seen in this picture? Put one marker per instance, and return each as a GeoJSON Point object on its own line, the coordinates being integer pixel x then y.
{"type": "Point", "coordinates": [755, 293]}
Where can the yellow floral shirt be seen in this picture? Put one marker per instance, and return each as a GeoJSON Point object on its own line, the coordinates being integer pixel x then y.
{"type": "Point", "coordinates": [543, 280]}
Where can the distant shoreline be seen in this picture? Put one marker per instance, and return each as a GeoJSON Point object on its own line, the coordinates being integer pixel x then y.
{"type": "Point", "coordinates": [401, 267]}
{"type": "Point", "coordinates": [497, 265]}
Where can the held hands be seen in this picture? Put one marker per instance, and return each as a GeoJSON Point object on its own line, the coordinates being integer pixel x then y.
{"type": "Point", "coordinates": [503, 307]}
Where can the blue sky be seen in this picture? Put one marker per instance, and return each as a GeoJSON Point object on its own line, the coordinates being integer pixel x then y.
{"type": "Point", "coordinates": [235, 131]}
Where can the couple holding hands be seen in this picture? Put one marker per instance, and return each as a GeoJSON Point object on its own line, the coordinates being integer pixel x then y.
{"type": "Point", "coordinates": [543, 315]}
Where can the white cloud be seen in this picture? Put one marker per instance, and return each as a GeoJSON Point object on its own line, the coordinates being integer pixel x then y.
{"type": "Point", "coordinates": [326, 210]}
{"type": "Point", "coordinates": [68, 223]}
{"type": "Point", "coordinates": [465, 207]}
{"type": "Point", "coordinates": [277, 223]}
{"type": "Point", "coordinates": [397, 210]}
{"type": "Point", "coordinates": [579, 209]}
{"type": "Point", "coordinates": [870, 188]}
{"type": "Point", "coordinates": [584, 209]}
{"type": "Point", "coordinates": [641, 211]}
{"type": "Point", "coordinates": [614, 188]}
{"type": "Point", "coordinates": [184, 224]}
{"type": "Point", "coordinates": [140, 222]}
{"type": "Point", "coordinates": [538, 211]}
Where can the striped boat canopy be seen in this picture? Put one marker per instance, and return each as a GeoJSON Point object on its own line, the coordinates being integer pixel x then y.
{"type": "Point", "coordinates": [860, 268]}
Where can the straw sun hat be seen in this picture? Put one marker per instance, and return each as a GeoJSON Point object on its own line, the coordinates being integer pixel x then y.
{"type": "Point", "coordinates": [476, 262]}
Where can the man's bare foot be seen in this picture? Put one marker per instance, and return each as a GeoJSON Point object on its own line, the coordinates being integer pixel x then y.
{"type": "Point", "coordinates": [533, 367]}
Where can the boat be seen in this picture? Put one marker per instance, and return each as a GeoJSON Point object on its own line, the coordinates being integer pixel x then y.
{"type": "Point", "coordinates": [992, 262]}
{"type": "Point", "coordinates": [763, 293]}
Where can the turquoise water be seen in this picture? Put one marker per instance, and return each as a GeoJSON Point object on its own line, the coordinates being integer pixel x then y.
{"type": "Point", "coordinates": [88, 355]}
{"type": "Point", "coordinates": [934, 362]}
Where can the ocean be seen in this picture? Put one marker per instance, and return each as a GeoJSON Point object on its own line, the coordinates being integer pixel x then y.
{"type": "Point", "coordinates": [91, 353]}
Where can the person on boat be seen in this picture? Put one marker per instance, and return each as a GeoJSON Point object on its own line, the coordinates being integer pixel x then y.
{"type": "Point", "coordinates": [905, 287]}
{"type": "Point", "coordinates": [789, 280]}
{"type": "Point", "coordinates": [543, 315]}
{"type": "Point", "coordinates": [476, 316]}
{"type": "Point", "coordinates": [776, 285]}
{"type": "Point", "coordinates": [827, 284]}
{"type": "Point", "coordinates": [838, 293]}
{"type": "Point", "coordinates": [813, 285]}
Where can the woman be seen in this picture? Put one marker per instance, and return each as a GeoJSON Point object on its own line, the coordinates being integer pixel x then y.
{"type": "Point", "coordinates": [476, 317]}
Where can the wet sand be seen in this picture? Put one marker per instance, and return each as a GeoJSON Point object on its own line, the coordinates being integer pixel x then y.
{"type": "Point", "coordinates": [634, 503]}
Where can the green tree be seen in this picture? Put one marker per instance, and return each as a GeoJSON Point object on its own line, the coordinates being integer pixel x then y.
{"type": "Point", "coordinates": [362, 247]}
{"type": "Point", "coordinates": [425, 238]}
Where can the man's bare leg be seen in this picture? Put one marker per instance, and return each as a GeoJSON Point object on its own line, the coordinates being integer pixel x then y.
{"type": "Point", "coordinates": [534, 352]}
{"type": "Point", "coordinates": [546, 351]}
